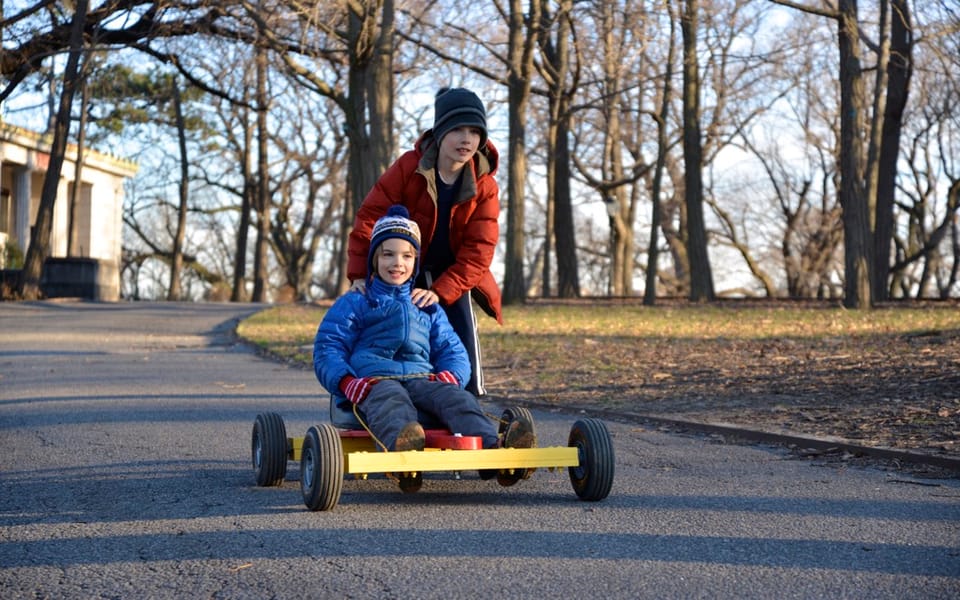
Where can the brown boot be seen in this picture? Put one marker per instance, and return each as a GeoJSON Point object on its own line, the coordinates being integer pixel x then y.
{"type": "Point", "coordinates": [411, 437]}
{"type": "Point", "coordinates": [519, 434]}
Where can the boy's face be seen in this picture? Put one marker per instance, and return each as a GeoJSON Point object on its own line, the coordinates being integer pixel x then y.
{"type": "Point", "coordinates": [460, 144]}
{"type": "Point", "coordinates": [395, 260]}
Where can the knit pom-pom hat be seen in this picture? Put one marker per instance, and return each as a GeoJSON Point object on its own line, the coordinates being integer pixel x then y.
{"type": "Point", "coordinates": [395, 224]}
{"type": "Point", "coordinates": [458, 107]}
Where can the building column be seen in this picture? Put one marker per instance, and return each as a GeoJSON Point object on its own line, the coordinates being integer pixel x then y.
{"type": "Point", "coordinates": [61, 208]}
{"type": "Point", "coordinates": [3, 217]}
{"type": "Point", "coordinates": [21, 200]}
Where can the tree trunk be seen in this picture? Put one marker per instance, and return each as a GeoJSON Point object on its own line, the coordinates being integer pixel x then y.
{"type": "Point", "coordinates": [176, 259]}
{"type": "Point", "coordinates": [568, 275]}
{"type": "Point", "coordinates": [39, 249]}
{"type": "Point", "coordinates": [621, 249]}
{"type": "Point", "coordinates": [653, 250]}
{"type": "Point", "coordinates": [546, 286]}
{"type": "Point", "coordinates": [260, 265]}
{"type": "Point", "coordinates": [239, 292]}
{"type": "Point", "coordinates": [873, 139]}
{"type": "Point", "coordinates": [853, 200]}
{"type": "Point", "coordinates": [560, 223]}
{"type": "Point", "coordinates": [521, 64]}
{"type": "Point", "coordinates": [380, 96]}
{"type": "Point", "coordinates": [75, 193]}
{"type": "Point", "coordinates": [701, 279]}
{"type": "Point", "coordinates": [899, 70]}
{"type": "Point", "coordinates": [369, 110]}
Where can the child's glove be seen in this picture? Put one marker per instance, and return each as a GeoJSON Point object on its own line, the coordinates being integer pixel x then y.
{"type": "Point", "coordinates": [445, 377]}
{"type": "Point", "coordinates": [356, 388]}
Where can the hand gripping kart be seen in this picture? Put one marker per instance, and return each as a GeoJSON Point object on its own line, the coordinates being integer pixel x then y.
{"type": "Point", "coordinates": [329, 451]}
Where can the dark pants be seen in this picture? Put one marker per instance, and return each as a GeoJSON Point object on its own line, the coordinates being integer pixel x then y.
{"type": "Point", "coordinates": [392, 404]}
{"type": "Point", "coordinates": [464, 322]}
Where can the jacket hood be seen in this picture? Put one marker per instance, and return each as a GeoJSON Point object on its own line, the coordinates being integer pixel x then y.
{"type": "Point", "coordinates": [379, 288]}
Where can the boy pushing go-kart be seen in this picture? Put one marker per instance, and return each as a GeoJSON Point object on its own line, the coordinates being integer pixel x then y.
{"type": "Point", "coordinates": [401, 364]}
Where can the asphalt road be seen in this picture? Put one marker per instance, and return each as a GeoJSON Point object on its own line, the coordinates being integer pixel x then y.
{"type": "Point", "coordinates": [125, 473]}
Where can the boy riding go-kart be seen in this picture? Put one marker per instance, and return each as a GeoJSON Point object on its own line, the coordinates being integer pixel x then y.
{"type": "Point", "coordinates": [395, 366]}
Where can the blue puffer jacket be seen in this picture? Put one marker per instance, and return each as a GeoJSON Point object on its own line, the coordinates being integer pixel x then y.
{"type": "Point", "coordinates": [381, 333]}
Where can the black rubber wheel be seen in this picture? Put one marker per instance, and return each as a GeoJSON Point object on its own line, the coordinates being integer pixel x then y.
{"type": "Point", "coordinates": [321, 467]}
{"type": "Point", "coordinates": [593, 478]}
{"type": "Point", "coordinates": [510, 415]}
{"type": "Point", "coordinates": [269, 449]}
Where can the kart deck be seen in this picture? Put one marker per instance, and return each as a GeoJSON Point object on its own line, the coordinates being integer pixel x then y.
{"type": "Point", "coordinates": [444, 452]}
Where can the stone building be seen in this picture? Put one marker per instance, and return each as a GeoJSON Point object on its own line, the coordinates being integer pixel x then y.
{"type": "Point", "coordinates": [90, 267]}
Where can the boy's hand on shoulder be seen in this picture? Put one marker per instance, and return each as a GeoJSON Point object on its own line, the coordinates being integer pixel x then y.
{"type": "Point", "coordinates": [445, 377]}
{"type": "Point", "coordinates": [424, 298]}
{"type": "Point", "coordinates": [356, 389]}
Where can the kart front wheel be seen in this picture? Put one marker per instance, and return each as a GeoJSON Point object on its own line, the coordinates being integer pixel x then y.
{"type": "Point", "coordinates": [321, 467]}
{"type": "Point", "coordinates": [593, 477]}
{"type": "Point", "coordinates": [269, 449]}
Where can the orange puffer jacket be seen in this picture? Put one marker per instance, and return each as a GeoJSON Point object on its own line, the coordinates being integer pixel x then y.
{"type": "Point", "coordinates": [474, 227]}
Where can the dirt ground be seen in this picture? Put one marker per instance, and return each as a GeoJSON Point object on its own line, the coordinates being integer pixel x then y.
{"type": "Point", "coordinates": [886, 390]}
{"type": "Point", "coordinates": [899, 392]}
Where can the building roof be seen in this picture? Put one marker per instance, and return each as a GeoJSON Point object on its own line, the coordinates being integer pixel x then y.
{"type": "Point", "coordinates": [31, 140]}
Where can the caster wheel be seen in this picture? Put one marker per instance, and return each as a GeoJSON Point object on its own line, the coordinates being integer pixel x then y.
{"type": "Point", "coordinates": [269, 449]}
{"type": "Point", "coordinates": [593, 478]}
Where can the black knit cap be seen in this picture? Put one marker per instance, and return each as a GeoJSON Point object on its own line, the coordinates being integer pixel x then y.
{"type": "Point", "coordinates": [458, 107]}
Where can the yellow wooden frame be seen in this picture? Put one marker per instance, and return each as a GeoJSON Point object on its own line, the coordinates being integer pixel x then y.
{"type": "Point", "coordinates": [360, 456]}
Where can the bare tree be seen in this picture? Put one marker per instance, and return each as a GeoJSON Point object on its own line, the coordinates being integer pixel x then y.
{"type": "Point", "coordinates": [118, 24]}
{"type": "Point", "coordinates": [523, 36]}
{"type": "Point", "coordinates": [515, 71]}
{"type": "Point", "coordinates": [261, 203]}
{"type": "Point", "coordinates": [615, 193]}
{"type": "Point", "coordinates": [308, 198]}
{"type": "Point", "coordinates": [623, 131]}
{"type": "Point", "coordinates": [77, 189]}
{"type": "Point", "coordinates": [701, 278]}
{"type": "Point", "coordinates": [897, 58]}
{"type": "Point", "coordinates": [656, 188]}
{"type": "Point", "coordinates": [923, 133]}
{"type": "Point", "coordinates": [562, 79]}
{"type": "Point", "coordinates": [39, 249]}
{"type": "Point", "coordinates": [609, 145]}
{"type": "Point", "coordinates": [176, 258]}
{"type": "Point", "coordinates": [925, 262]}
{"type": "Point", "coordinates": [356, 40]}
{"type": "Point", "coordinates": [857, 237]}
{"type": "Point", "coordinates": [238, 291]}
{"type": "Point", "coordinates": [36, 41]}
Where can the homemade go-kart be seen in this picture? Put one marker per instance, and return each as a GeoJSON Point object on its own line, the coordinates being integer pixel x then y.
{"type": "Point", "coordinates": [329, 451]}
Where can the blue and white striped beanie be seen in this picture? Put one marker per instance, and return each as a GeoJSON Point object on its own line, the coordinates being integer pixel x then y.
{"type": "Point", "coordinates": [395, 224]}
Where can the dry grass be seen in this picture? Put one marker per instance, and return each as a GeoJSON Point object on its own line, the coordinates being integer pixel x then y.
{"type": "Point", "coordinates": [884, 377]}
{"type": "Point", "coordinates": [551, 332]}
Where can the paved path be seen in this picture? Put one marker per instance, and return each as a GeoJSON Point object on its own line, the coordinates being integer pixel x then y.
{"type": "Point", "coordinates": [124, 472]}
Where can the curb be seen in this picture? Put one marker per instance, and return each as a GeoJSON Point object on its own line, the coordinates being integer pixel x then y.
{"type": "Point", "coordinates": [766, 437]}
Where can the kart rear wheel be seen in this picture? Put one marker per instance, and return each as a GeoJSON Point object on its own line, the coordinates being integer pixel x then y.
{"type": "Point", "coordinates": [514, 413]}
{"type": "Point", "coordinates": [321, 467]}
{"type": "Point", "coordinates": [593, 477]}
{"type": "Point", "coordinates": [269, 449]}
